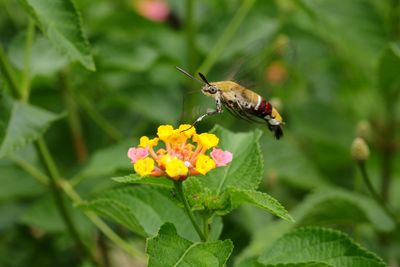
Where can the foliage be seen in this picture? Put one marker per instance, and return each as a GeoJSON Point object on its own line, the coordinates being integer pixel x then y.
{"type": "Point", "coordinates": [81, 82]}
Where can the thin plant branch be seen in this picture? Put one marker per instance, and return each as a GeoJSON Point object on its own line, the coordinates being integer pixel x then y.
{"type": "Point", "coordinates": [181, 194]}
{"type": "Point", "coordinates": [226, 36]}
{"type": "Point", "coordinates": [378, 199]}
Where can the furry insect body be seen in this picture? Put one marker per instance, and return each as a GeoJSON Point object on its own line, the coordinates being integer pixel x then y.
{"type": "Point", "coordinates": [241, 102]}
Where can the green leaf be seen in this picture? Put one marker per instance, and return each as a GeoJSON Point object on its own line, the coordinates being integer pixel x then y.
{"type": "Point", "coordinates": [45, 59]}
{"type": "Point", "coordinates": [107, 161]}
{"type": "Point", "coordinates": [45, 215]}
{"type": "Point", "coordinates": [226, 188]}
{"type": "Point", "coordinates": [389, 79]}
{"type": "Point", "coordinates": [16, 183]}
{"type": "Point", "coordinates": [60, 22]}
{"type": "Point", "coordinates": [329, 19]}
{"type": "Point", "coordinates": [129, 57]}
{"type": "Point", "coordinates": [287, 161]}
{"type": "Point", "coordinates": [142, 209]}
{"type": "Point", "coordinates": [336, 206]}
{"type": "Point", "coordinates": [326, 207]}
{"type": "Point", "coordinates": [169, 249]}
{"type": "Point", "coordinates": [260, 200]}
{"type": "Point", "coordinates": [246, 169]}
{"type": "Point", "coordinates": [136, 179]}
{"type": "Point", "coordinates": [26, 124]}
{"type": "Point", "coordinates": [319, 245]}
{"type": "Point", "coordinates": [253, 262]}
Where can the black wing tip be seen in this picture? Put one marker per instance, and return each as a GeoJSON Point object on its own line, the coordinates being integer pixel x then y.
{"type": "Point", "coordinates": [276, 130]}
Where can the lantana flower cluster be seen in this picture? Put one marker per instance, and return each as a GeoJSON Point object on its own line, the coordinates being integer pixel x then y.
{"type": "Point", "coordinates": [184, 153]}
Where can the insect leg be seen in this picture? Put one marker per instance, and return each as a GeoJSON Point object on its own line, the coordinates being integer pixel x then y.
{"type": "Point", "coordinates": [218, 109]}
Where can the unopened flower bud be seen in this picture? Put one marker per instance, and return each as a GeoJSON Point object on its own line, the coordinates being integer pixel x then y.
{"type": "Point", "coordinates": [364, 129]}
{"type": "Point", "coordinates": [359, 149]}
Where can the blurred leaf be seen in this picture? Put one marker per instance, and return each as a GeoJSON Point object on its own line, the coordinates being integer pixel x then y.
{"type": "Point", "coordinates": [314, 245]}
{"type": "Point", "coordinates": [260, 200]}
{"type": "Point", "coordinates": [159, 104]}
{"type": "Point", "coordinates": [330, 206]}
{"type": "Point", "coordinates": [60, 22]}
{"type": "Point", "coordinates": [26, 124]}
{"type": "Point", "coordinates": [329, 19]}
{"type": "Point", "coordinates": [107, 161]}
{"type": "Point", "coordinates": [10, 214]}
{"type": "Point", "coordinates": [389, 79]}
{"type": "Point", "coordinates": [131, 58]}
{"type": "Point", "coordinates": [169, 249]}
{"type": "Point", "coordinates": [136, 179]}
{"type": "Point", "coordinates": [287, 161]}
{"type": "Point", "coordinates": [45, 60]}
{"type": "Point", "coordinates": [16, 183]}
{"type": "Point", "coordinates": [142, 209]}
{"type": "Point", "coordinates": [45, 215]}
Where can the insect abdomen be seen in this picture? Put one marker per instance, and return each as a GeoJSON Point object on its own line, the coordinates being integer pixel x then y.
{"type": "Point", "coordinates": [265, 111]}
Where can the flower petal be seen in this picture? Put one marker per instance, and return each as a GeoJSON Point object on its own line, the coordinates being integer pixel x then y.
{"type": "Point", "coordinates": [221, 157]}
{"type": "Point", "coordinates": [137, 153]}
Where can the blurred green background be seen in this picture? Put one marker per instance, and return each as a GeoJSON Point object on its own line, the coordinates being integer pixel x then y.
{"type": "Point", "coordinates": [332, 68]}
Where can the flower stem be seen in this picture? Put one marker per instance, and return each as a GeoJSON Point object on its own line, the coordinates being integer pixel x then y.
{"type": "Point", "coordinates": [378, 199]}
{"type": "Point", "coordinates": [9, 74]}
{"type": "Point", "coordinates": [97, 118]}
{"type": "Point", "coordinates": [54, 176]}
{"type": "Point", "coordinates": [226, 36]}
{"type": "Point", "coordinates": [190, 36]}
{"type": "Point", "coordinates": [205, 225]}
{"type": "Point", "coordinates": [73, 118]}
{"type": "Point", "coordinates": [104, 228]}
{"type": "Point", "coordinates": [26, 76]}
{"type": "Point", "coordinates": [179, 189]}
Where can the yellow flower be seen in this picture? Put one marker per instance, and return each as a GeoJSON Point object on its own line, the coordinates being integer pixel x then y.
{"type": "Point", "coordinates": [207, 140]}
{"type": "Point", "coordinates": [164, 132]}
{"type": "Point", "coordinates": [176, 137]}
{"type": "Point", "coordinates": [176, 168]}
{"type": "Point", "coordinates": [144, 167]}
{"type": "Point", "coordinates": [146, 142]}
{"type": "Point", "coordinates": [204, 164]}
{"type": "Point", "coordinates": [187, 129]}
{"type": "Point", "coordinates": [164, 159]}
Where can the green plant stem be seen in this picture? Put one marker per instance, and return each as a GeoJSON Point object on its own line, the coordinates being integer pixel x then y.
{"type": "Point", "coordinates": [74, 121]}
{"type": "Point", "coordinates": [30, 169]}
{"type": "Point", "coordinates": [76, 199]}
{"type": "Point", "coordinates": [206, 217]}
{"type": "Point", "coordinates": [378, 199]}
{"type": "Point", "coordinates": [54, 177]}
{"type": "Point", "coordinates": [26, 79]}
{"type": "Point", "coordinates": [395, 19]}
{"type": "Point", "coordinates": [181, 194]}
{"type": "Point", "coordinates": [190, 36]}
{"type": "Point", "coordinates": [106, 126]}
{"type": "Point", "coordinates": [9, 74]}
{"type": "Point", "coordinates": [226, 36]}
{"type": "Point", "coordinates": [103, 227]}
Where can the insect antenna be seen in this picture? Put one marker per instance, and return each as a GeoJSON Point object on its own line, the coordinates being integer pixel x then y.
{"type": "Point", "coordinates": [204, 78]}
{"type": "Point", "coordinates": [189, 75]}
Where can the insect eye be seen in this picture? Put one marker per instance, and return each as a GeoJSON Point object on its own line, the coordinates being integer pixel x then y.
{"type": "Point", "coordinates": [213, 90]}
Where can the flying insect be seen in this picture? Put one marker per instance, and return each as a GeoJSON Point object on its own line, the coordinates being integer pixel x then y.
{"type": "Point", "coordinates": [240, 102]}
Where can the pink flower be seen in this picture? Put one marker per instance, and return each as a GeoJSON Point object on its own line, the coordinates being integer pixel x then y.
{"type": "Point", "coordinates": [221, 157]}
{"type": "Point", "coordinates": [136, 153]}
{"type": "Point", "coordinates": [156, 10]}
